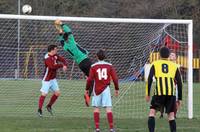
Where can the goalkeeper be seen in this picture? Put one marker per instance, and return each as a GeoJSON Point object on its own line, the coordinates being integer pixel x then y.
{"type": "Point", "coordinates": [76, 52]}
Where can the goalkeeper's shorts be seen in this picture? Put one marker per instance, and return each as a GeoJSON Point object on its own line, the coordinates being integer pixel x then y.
{"type": "Point", "coordinates": [102, 100]}
{"type": "Point", "coordinates": [51, 85]}
{"type": "Point", "coordinates": [85, 66]}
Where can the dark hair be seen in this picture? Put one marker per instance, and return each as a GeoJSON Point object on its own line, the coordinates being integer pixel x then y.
{"type": "Point", "coordinates": [51, 47]}
{"type": "Point", "coordinates": [101, 54]}
{"type": "Point", "coordinates": [164, 52]}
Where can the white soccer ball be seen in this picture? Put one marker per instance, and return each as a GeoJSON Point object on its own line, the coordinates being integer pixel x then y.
{"type": "Point", "coordinates": [26, 9]}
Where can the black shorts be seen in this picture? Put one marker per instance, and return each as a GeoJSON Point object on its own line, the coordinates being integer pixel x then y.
{"type": "Point", "coordinates": [85, 66]}
{"type": "Point", "coordinates": [163, 102]}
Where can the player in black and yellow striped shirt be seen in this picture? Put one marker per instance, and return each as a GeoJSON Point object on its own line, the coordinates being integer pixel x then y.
{"type": "Point", "coordinates": [165, 73]}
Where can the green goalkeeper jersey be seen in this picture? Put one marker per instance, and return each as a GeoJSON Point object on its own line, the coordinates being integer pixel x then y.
{"type": "Point", "coordinates": [71, 46]}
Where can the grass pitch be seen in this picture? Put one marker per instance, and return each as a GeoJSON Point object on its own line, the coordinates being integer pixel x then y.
{"type": "Point", "coordinates": [18, 106]}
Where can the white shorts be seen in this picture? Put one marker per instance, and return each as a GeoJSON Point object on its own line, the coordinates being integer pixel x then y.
{"type": "Point", "coordinates": [49, 85]}
{"type": "Point", "coordinates": [102, 100]}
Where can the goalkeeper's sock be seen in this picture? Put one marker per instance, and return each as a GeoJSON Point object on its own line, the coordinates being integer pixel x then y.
{"type": "Point", "coordinates": [151, 124]}
{"type": "Point", "coordinates": [110, 119]}
{"type": "Point", "coordinates": [172, 124]}
{"type": "Point", "coordinates": [41, 101]}
{"type": "Point", "coordinates": [52, 100]}
{"type": "Point", "coordinates": [96, 119]}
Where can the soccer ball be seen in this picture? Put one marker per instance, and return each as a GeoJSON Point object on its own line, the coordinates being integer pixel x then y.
{"type": "Point", "coordinates": [26, 9]}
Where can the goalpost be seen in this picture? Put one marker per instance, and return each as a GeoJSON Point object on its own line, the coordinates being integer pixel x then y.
{"type": "Point", "coordinates": [128, 42]}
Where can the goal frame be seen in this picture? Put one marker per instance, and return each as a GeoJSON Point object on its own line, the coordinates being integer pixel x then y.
{"type": "Point", "coordinates": [129, 20]}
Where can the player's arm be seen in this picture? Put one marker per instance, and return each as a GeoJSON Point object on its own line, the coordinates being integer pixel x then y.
{"type": "Point", "coordinates": [57, 24]}
{"type": "Point", "coordinates": [64, 32]}
{"type": "Point", "coordinates": [60, 26]}
{"type": "Point", "coordinates": [65, 35]}
{"type": "Point", "coordinates": [115, 80]}
{"type": "Point", "coordinates": [62, 59]}
{"type": "Point", "coordinates": [68, 36]}
{"type": "Point", "coordinates": [179, 83]}
{"type": "Point", "coordinates": [64, 62]}
{"type": "Point", "coordinates": [49, 62]}
{"type": "Point", "coordinates": [149, 82]}
{"type": "Point", "coordinates": [66, 29]}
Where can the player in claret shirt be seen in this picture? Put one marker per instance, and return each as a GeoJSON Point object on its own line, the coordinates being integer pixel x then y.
{"type": "Point", "coordinates": [49, 81]}
{"type": "Point", "coordinates": [101, 73]}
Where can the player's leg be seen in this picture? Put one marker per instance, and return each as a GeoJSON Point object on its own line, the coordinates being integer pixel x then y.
{"type": "Point", "coordinates": [41, 102]}
{"type": "Point", "coordinates": [96, 103]}
{"type": "Point", "coordinates": [151, 120]}
{"type": "Point", "coordinates": [156, 104]}
{"type": "Point", "coordinates": [96, 118]}
{"type": "Point", "coordinates": [107, 103]}
{"type": "Point", "coordinates": [44, 91]}
{"type": "Point", "coordinates": [175, 110]}
{"type": "Point", "coordinates": [56, 92]}
{"type": "Point", "coordinates": [172, 122]}
{"type": "Point", "coordinates": [110, 118]}
{"type": "Point", "coordinates": [171, 103]}
{"type": "Point", "coordinates": [85, 66]}
{"type": "Point", "coordinates": [54, 97]}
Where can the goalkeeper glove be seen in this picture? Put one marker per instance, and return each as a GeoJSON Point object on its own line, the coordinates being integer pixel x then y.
{"type": "Point", "coordinates": [58, 24]}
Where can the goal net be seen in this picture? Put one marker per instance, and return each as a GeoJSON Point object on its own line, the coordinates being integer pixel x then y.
{"type": "Point", "coordinates": [129, 44]}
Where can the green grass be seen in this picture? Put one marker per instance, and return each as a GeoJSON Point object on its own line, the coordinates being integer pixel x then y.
{"type": "Point", "coordinates": [56, 124]}
{"type": "Point", "coordinates": [18, 106]}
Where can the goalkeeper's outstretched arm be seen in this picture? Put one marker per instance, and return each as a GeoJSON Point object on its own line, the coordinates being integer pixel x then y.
{"type": "Point", "coordinates": [65, 34]}
{"type": "Point", "coordinates": [57, 25]}
{"type": "Point", "coordinates": [62, 28]}
{"type": "Point", "coordinates": [68, 42]}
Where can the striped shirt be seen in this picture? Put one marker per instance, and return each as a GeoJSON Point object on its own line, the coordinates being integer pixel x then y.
{"type": "Point", "coordinates": [166, 74]}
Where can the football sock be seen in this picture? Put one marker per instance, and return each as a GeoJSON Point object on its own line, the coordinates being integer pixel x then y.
{"type": "Point", "coordinates": [151, 124]}
{"type": "Point", "coordinates": [41, 101]}
{"type": "Point", "coordinates": [110, 119]}
{"type": "Point", "coordinates": [96, 119]}
{"type": "Point", "coordinates": [52, 100]}
{"type": "Point", "coordinates": [172, 125]}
